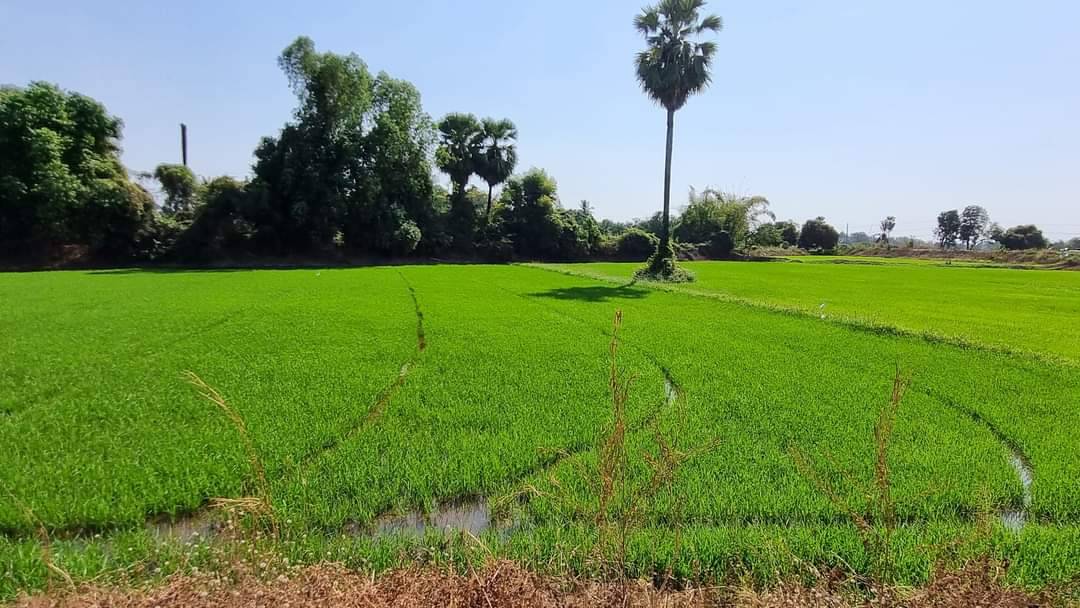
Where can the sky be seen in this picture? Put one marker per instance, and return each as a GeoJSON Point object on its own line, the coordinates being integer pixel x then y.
{"type": "Point", "coordinates": [849, 109]}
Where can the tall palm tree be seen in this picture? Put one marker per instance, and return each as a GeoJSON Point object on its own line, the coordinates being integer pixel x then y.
{"type": "Point", "coordinates": [670, 70]}
{"type": "Point", "coordinates": [498, 156]}
{"type": "Point", "coordinates": [459, 147]}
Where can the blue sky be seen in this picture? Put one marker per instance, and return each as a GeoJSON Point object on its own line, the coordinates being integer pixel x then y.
{"type": "Point", "coordinates": [849, 109]}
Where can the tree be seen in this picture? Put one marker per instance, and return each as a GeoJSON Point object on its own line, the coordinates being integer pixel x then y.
{"type": "Point", "coordinates": [304, 177]}
{"type": "Point", "coordinates": [180, 187]}
{"type": "Point", "coordinates": [498, 157]}
{"type": "Point", "coordinates": [529, 212]}
{"type": "Point", "coordinates": [948, 228]}
{"type": "Point", "coordinates": [457, 154]}
{"type": "Point", "coordinates": [789, 232]}
{"type": "Point", "coordinates": [817, 234]}
{"type": "Point", "coordinates": [766, 235]}
{"type": "Point", "coordinates": [1020, 237]}
{"type": "Point", "coordinates": [713, 211]}
{"type": "Point", "coordinates": [61, 180]}
{"type": "Point", "coordinates": [887, 226]}
{"type": "Point", "coordinates": [390, 201]}
{"type": "Point", "coordinates": [670, 70]}
{"type": "Point", "coordinates": [974, 224]}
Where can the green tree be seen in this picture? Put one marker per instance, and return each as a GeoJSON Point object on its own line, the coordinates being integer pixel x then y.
{"type": "Point", "coordinates": [673, 67]}
{"type": "Point", "coordinates": [498, 157]}
{"type": "Point", "coordinates": [948, 228]}
{"type": "Point", "coordinates": [180, 187]}
{"type": "Point", "coordinates": [457, 155]}
{"type": "Point", "coordinates": [390, 200]}
{"type": "Point", "coordinates": [817, 234]}
{"type": "Point", "coordinates": [529, 211]}
{"type": "Point", "coordinates": [974, 226]}
{"type": "Point", "coordinates": [61, 180]}
{"type": "Point", "coordinates": [713, 211]}
{"type": "Point", "coordinates": [1026, 236]}
{"type": "Point", "coordinates": [789, 232]}
{"type": "Point", "coordinates": [302, 176]}
{"type": "Point", "coordinates": [766, 235]}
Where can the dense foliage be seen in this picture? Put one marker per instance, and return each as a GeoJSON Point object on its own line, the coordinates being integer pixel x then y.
{"type": "Point", "coordinates": [817, 234]}
{"type": "Point", "coordinates": [61, 181]}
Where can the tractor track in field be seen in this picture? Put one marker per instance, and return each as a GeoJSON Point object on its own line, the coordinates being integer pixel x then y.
{"type": "Point", "coordinates": [384, 397]}
{"type": "Point", "coordinates": [1012, 517]}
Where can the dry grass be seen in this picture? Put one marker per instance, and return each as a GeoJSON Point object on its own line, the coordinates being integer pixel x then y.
{"type": "Point", "coordinates": [260, 505]}
{"type": "Point", "coordinates": [504, 584]}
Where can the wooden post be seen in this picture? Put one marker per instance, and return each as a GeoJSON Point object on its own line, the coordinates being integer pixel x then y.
{"type": "Point", "coordinates": [183, 142]}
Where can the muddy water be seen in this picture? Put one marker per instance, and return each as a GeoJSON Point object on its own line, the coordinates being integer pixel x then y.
{"type": "Point", "coordinates": [472, 516]}
{"type": "Point", "coordinates": [200, 526]}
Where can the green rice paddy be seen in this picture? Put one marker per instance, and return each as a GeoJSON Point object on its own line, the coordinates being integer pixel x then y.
{"type": "Point", "coordinates": [376, 391]}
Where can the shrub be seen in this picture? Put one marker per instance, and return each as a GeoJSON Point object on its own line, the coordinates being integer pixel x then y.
{"type": "Point", "coordinates": [635, 244]}
{"type": "Point", "coordinates": [721, 245]}
{"type": "Point", "coordinates": [405, 238]}
{"type": "Point", "coordinates": [1021, 237]}
{"type": "Point", "coordinates": [818, 235]}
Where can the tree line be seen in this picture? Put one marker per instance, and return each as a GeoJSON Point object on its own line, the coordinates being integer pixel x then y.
{"type": "Point", "coordinates": [352, 172]}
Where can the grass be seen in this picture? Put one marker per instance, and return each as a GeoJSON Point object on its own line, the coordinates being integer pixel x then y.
{"type": "Point", "coordinates": [378, 390]}
{"type": "Point", "coordinates": [1036, 311]}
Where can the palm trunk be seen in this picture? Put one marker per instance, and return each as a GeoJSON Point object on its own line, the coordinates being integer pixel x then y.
{"type": "Point", "coordinates": [487, 214]}
{"type": "Point", "coordinates": [665, 229]}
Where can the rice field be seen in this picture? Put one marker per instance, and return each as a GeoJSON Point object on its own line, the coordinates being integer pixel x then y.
{"type": "Point", "coordinates": [372, 393]}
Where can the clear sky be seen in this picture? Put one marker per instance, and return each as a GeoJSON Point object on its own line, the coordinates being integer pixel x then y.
{"type": "Point", "coordinates": [851, 109]}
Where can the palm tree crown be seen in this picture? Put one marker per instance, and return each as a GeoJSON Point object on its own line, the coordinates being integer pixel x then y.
{"type": "Point", "coordinates": [674, 67]}
{"type": "Point", "coordinates": [498, 158]}
{"type": "Point", "coordinates": [457, 152]}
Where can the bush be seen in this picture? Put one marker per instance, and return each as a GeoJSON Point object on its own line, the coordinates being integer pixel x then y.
{"type": "Point", "coordinates": [1021, 237]}
{"type": "Point", "coordinates": [818, 235]}
{"type": "Point", "coordinates": [635, 244]}
{"type": "Point", "coordinates": [721, 245]}
{"type": "Point", "coordinates": [405, 238]}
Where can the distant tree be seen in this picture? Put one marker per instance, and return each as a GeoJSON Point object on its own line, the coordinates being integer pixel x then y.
{"type": "Point", "coordinates": [180, 187]}
{"type": "Point", "coordinates": [766, 235]}
{"type": "Point", "coordinates": [459, 148]}
{"type": "Point", "coordinates": [635, 244]}
{"type": "Point", "coordinates": [671, 69]}
{"type": "Point", "coordinates": [1020, 237]}
{"type": "Point", "coordinates": [887, 226]}
{"type": "Point", "coordinates": [713, 211]}
{"type": "Point", "coordinates": [612, 227]}
{"type": "Point", "coordinates": [948, 229]}
{"type": "Point", "coordinates": [974, 224]}
{"type": "Point", "coordinates": [789, 232]}
{"type": "Point", "coordinates": [817, 234]}
{"type": "Point", "coordinates": [857, 238]}
{"type": "Point", "coordinates": [1073, 243]}
{"type": "Point", "coordinates": [498, 157]}
{"type": "Point", "coordinates": [653, 224]}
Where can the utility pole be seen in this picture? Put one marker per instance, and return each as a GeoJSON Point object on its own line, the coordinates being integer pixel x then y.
{"type": "Point", "coordinates": [183, 142]}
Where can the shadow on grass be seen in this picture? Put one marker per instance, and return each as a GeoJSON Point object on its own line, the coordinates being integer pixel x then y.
{"type": "Point", "coordinates": [168, 270]}
{"type": "Point", "coordinates": [594, 293]}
